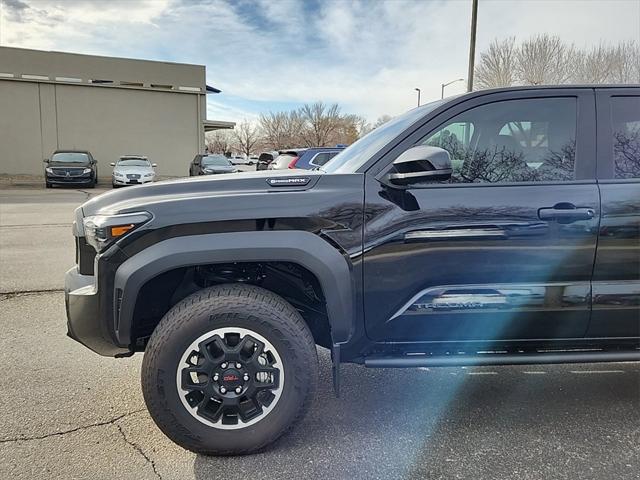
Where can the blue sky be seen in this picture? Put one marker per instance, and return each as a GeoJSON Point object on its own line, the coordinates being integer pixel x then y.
{"type": "Point", "coordinates": [277, 54]}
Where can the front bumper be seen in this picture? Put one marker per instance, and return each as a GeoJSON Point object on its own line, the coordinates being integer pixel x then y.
{"type": "Point", "coordinates": [59, 180]}
{"type": "Point", "coordinates": [129, 181]}
{"type": "Point", "coordinates": [86, 322]}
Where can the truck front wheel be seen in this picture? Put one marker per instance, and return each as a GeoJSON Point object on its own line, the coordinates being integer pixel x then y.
{"type": "Point", "coordinates": [229, 369]}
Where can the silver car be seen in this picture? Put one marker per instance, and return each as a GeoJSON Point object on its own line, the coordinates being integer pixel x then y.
{"type": "Point", "coordinates": [132, 170]}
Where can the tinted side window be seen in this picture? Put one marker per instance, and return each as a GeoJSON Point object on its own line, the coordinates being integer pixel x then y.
{"type": "Point", "coordinates": [529, 140]}
{"type": "Point", "coordinates": [625, 119]}
{"type": "Point", "coordinates": [320, 159]}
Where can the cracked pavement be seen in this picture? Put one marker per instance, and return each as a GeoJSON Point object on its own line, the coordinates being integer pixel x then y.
{"type": "Point", "coordinates": [70, 414]}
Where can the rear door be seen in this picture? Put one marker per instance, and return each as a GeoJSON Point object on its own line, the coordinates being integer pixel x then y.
{"type": "Point", "coordinates": [505, 249]}
{"type": "Point", "coordinates": [616, 277]}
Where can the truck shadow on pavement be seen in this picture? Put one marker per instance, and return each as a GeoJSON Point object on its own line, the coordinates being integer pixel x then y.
{"type": "Point", "coordinates": [492, 422]}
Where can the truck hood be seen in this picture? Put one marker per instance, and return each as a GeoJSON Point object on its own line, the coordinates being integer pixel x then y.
{"type": "Point", "coordinates": [207, 197]}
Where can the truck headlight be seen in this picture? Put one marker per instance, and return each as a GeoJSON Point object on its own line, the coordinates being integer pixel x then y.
{"type": "Point", "coordinates": [102, 230]}
{"type": "Point", "coordinates": [49, 170]}
{"type": "Point", "coordinates": [86, 170]}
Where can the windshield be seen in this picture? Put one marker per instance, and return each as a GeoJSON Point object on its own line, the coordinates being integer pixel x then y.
{"type": "Point", "coordinates": [216, 160]}
{"type": "Point", "coordinates": [353, 157]}
{"type": "Point", "coordinates": [134, 162]}
{"type": "Point", "coordinates": [70, 157]}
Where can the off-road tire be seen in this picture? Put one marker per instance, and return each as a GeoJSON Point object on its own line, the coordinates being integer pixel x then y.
{"type": "Point", "coordinates": [229, 305]}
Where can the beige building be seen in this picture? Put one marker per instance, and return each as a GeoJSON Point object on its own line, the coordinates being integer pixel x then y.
{"type": "Point", "coordinates": [109, 106]}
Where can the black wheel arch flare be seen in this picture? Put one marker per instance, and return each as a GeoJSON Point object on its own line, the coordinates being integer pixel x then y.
{"type": "Point", "coordinates": [331, 267]}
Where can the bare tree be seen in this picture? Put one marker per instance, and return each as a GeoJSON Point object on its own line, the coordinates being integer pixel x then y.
{"type": "Point", "coordinates": [498, 65]}
{"type": "Point", "coordinates": [627, 65]}
{"type": "Point", "coordinates": [246, 136]}
{"type": "Point", "coordinates": [273, 129]}
{"type": "Point", "coordinates": [312, 125]}
{"type": "Point", "coordinates": [349, 129]}
{"type": "Point", "coordinates": [594, 65]}
{"type": "Point", "coordinates": [609, 64]}
{"type": "Point", "coordinates": [382, 120]}
{"type": "Point", "coordinates": [281, 129]}
{"type": "Point", "coordinates": [362, 126]}
{"type": "Point", "coordinates": [219, 141]}
{"type": "Point", "coordinates": [544, 59]}
{"type": "Point", "coordinates": [321, 122]}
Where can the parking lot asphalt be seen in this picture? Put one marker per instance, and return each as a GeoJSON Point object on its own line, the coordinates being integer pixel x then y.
{"type": "Point", "coordinates": [68, 413]}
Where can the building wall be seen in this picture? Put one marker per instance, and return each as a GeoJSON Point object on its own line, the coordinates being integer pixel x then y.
{"type": "Point", "coordinates": [109, 122]}
{"type": "Point", "coordinates": [63, 66]}
{"type": "Point", "coordinates": [20, 128]}
{"type": "Point", "coordinates": [109, 106]}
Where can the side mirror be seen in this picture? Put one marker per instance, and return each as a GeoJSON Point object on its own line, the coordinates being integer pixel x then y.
{"type": "Point", "coordinates": [420, 164]}
{"type": "Point", "coordinates": [46, 160]}
{"type": "Point", "coordinates": [112, 164]}
{"type": "Point", "coordinates": [154, 165]}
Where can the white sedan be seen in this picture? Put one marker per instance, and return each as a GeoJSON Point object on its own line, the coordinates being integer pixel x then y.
{"type": "Point", "coordinates": [132, 170]}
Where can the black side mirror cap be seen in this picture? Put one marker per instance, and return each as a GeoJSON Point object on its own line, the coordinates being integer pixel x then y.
{"type": "Point", "coordinates": [420, 164]}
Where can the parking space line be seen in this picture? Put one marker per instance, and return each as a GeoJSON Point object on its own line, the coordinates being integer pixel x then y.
{"type": "Point", "coordinates": [534, 372]}
{"type": "Point", "coordinates": [482, 373]}
{"type": "Point", "coordinates": [596, 371]}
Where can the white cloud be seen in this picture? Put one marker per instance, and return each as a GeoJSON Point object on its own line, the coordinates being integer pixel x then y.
{"type": "Point", "coordinates": [218, 110]}
{"type": "Point", "coordinates": [368, 56]}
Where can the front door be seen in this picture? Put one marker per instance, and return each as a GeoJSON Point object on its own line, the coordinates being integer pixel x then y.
{"type": "Point", "coordinates": [505, 249]}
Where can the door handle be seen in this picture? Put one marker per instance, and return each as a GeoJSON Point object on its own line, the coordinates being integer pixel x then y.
{"type": "Point", "coordinates": [566, 212]}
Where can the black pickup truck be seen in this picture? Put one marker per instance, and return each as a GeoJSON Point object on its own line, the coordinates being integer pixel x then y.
{"type": "Point", "coordinates": [498, 227]}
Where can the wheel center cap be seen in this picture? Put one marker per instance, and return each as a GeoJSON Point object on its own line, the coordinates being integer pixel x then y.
{"type": "Point", "coordinates": [231, 378]}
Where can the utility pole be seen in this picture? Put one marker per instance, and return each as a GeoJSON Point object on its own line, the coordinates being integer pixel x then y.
{"type": "Point", "coordinates": [472, 44]}
{"type": "Point", "coordinates": [418, 90]}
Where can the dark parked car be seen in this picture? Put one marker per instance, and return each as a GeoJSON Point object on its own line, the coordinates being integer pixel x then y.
{"type": "Point", "coordinates": [210, 165]}
{"type": "Point", "coordinates": [71, 167]}
{"type": "Point", "coordinates": [265, 159]}
{"type": "Point", "coordinates": [500, 227]}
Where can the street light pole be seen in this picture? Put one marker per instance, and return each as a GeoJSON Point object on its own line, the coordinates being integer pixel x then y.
{"type": "Point", "coordinates": [418, 90]}
{"type": "Point", "coordinates": [472, 44]}
{"type": "Point", "coordinates": [449, 83]}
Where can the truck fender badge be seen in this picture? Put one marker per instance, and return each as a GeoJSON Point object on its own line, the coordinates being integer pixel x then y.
{"type": "Point", "coordinates": [288, 181]}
